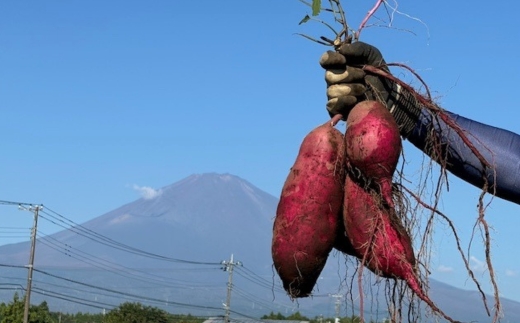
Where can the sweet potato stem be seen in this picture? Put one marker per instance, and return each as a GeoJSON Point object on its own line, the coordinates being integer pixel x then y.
{"type": "Point", "coordinates": [335, 119]}
{"type": "Point", "coordinates": [370, 13]}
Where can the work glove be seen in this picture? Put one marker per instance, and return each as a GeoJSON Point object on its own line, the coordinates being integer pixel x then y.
{"type": "Point", "coordinates": [348, 84]}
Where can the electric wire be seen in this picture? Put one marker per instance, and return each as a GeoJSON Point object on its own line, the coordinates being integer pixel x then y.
{"type": "Point", "coordinates": [16, 286]}
{"type": "Point", "coordinates": [73, 299]}
{"type": "Point", "coordinates": [68, 250]}
{"type": "Point", "coordinates": [124, 293]}
{"type": "Point", "coordinates": [244, 315]}
{"type": "Point", "coordinates": [258, 280]}
{"type": "Point", "coordinates": [86, 302]}
{"type": "Point", "coordinates": [117, 269]}
{"type": "Point", "coordinates": [38, 288]}
{"type": "Point", "coordinates": [2, 202]}
{"type": "Point", "coordinates": [60, 220]}
{"type": "Point", "coordinates": [88, 233]}
{"type": "Point", "coordinates": [13, 266]}
{"type": "Point", "coordinates": [256, 300]}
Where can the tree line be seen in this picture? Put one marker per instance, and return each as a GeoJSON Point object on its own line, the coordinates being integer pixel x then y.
{"type": "Point", "coordinates": [297, 316]}
{"type": "Point", "coordinates": [128, 312]}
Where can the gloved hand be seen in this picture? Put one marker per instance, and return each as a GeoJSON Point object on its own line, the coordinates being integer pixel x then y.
{"type": "Point", "coordinates": [345, 84]}
{"type": "Point", "coordinates": [348, 84]}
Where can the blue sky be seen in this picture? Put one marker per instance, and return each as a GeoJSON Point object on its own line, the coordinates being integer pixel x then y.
{"type": "Point", "coordinates": [101, 100]}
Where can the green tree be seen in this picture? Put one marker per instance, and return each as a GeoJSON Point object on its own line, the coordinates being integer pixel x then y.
{"type": "Point", "coordinates": [13, 312]}
{"type": "Point", "coordinates": [272, 316]}
{"type": "Point", "coordinates": [297, 316]}
{"type": "Point", "coordinates": [78, 317]}
{"type": "Point", "coordinates": [136, 313]}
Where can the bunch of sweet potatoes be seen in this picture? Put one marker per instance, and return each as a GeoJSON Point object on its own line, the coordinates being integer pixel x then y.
{"type": "Point", "coordinates": [339, 195]}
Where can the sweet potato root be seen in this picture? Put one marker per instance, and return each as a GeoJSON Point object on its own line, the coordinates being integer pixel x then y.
{"type": "Point", "coordinates": [373, 144]}
{"type": "Point", "coordinates": [308, 212]}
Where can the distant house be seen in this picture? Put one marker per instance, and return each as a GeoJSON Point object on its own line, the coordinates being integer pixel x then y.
{"type": "Point", "coordinates": [247, 320]}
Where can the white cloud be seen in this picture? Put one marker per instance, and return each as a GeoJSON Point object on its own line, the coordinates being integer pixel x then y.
{"type": "Point", "coordinates": [511, 273]}
{"type": "Point", "coordinates": [147, 192]}
{"type": "Point", "coordinates": [445, 269]}
{"type": "Point", "coordinates": [477, 265]}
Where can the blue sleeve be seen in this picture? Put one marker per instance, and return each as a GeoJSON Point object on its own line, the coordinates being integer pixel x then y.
{"type": "Point", "coordinates": [501, 149]}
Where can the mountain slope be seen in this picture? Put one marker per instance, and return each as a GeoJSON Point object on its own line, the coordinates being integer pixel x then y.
{"type": "Point", "coordinates": [203, 218]}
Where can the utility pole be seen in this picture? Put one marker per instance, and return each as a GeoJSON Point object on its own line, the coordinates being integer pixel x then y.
{"type": "Point", "coordinates": [35, 210]}
{"type": "Point", "coordinates": [337, 304]}
{"type": "Point", "coordinates": [228, 266]}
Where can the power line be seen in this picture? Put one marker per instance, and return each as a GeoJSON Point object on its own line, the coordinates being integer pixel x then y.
{"type": "Point", "coordinates": [99, 238]}
{"type": "Point", "coordinates": [74, 299]}
{"type": "Point", "coordinates": [2, 202]}
{"type": "Point", "coordinates": [256, 300]}
{"type": "Point", "coordinates": [16, 286]}
{"type": "Point", "coordinates": [117, 269]}
{"type": "Point", "coordinates": [124, 293]}
{"type": "Point", "coordinates": [12, 266]}
{"type": "Point", "coordinates": [90, 234]}
{"type": "Point", "coordinates": [68, 250]}
{"type": "Point", "coordinates": [258, 280]}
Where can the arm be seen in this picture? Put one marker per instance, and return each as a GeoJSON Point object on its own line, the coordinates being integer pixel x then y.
{"type": "Point", "coordinates": [348, 85]}
{"type": "Point", "coordinates": [500, 148]}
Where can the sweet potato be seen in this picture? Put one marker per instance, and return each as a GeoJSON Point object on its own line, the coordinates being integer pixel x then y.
{"type": "Point", "coordinates": [342, 242]}
{"type": "Point", "coordinates": [376, 233]}
{"type": "Point", "coordinates": [373, 144]}
{"type": "Point", "coordinates": [380, 239]}
{"type": "Point", "coordinates": [307, 215]}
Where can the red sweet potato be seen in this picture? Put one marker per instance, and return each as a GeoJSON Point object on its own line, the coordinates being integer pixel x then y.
{"type": "Point", "coordinates": [309, 209]}
{"type": "Point", "coordinates": [342, 242]}
{"type": "Point", "coordinates": [376, 233]}
{"type": "Point", "coordinates": [373, 144]}
{"type": "Point", "coordinates": [380, 239]}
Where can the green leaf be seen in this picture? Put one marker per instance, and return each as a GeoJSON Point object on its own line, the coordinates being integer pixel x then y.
{"type": "Point", "coordinates": [304, 20]}
{"type": "Point", "coordinates": [316, 7]}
